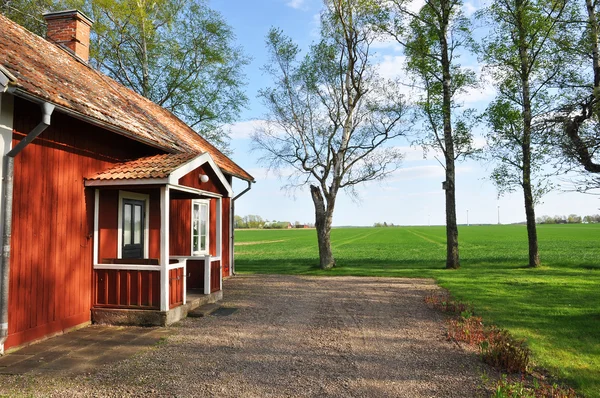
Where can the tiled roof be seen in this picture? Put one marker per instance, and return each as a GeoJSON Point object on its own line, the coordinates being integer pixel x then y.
{"type": "Point", "coordinates": [157, 166]}
{"type": "Point", "coordinates": [45, 71]}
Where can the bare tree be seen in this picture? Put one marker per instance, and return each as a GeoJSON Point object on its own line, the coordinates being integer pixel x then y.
{"type": "Point", "coordinates": [330, 117]}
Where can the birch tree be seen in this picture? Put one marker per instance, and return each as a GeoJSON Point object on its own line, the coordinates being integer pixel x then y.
{"type": "Point", "coordinates": [330, 118]}
{"type": "Point", "coordinates": [433, 38]}
{"type": "Point", "coordinates": [524, 62]}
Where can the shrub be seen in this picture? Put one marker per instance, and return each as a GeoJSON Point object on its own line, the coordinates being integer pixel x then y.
{"type": "Point", "coordinates": [468, 329]}
{"type": "Point", "coordinates": [445, 303]}
{"type": "Point", "coordinates": [501, 351]}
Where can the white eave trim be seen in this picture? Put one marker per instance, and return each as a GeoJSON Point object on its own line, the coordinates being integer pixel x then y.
{"type": "Point", "coordinates": [129, 181]}
{"type": "Point", "coordinates": [194, 191]}
{"type": "Point", "coordinates": [193, 165]}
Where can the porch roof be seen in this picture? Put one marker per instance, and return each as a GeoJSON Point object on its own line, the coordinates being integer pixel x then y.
{"type": "Point", "coordinates": [156, 170]}
{"type": "Point", "coordinates": [157, 166]}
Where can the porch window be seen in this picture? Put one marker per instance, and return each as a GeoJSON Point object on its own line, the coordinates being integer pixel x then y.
{"type": "Point", "coordinates": [199, 227]}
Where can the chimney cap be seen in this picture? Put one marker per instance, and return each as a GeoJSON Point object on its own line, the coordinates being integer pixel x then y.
{"type": "Point", "coordinates": [68, 13]}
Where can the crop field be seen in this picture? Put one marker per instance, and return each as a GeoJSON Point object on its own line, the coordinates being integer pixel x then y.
{"type": "Point", "coordinates": [556, 307]}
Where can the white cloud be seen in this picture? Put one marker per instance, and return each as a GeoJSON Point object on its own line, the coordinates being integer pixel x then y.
{"type": "Point", "coordinates": [392, 66]}
{"type": "Point", "coordinates": [297, 4]}
{"type": "Point", "coordinates": [243, 130]}
{"type": "Point", "coordinates": [469, 9]}
{"type": "Point", "coordinates": [416, 5]}
{"type": "Point", "coordinates": [474, 96]}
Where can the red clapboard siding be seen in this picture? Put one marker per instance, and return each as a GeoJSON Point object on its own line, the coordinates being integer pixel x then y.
{"type": "Point", "coordinates": [215, 276]}
{"type": "Point", "coordinates": [212, 227]}
{"type": "Point", "coordinates": [180, 234]}
{"type": "Point", "coordinates": [127, 289]}
{"type": "Point", "coordinates": [192, 179]}
{"type": "Point", "coordinates": [195, 271]}
{"type": "Point", "coordinates": [175, 287]}
{"type": "Point", "coordinates": [226, 237]}
{"type": "Point", "coordinates": [51, 249]}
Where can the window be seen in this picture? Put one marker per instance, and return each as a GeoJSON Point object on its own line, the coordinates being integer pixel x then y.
{"type": "Point", "coordinates": [199, 227]}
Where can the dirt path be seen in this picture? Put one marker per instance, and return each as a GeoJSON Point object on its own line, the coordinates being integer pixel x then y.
{"type": "Point", "coordinates": [295, 337]}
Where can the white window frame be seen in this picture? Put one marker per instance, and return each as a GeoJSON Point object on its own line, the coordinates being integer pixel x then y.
{"type": "Point", "coordinates": [134, 196]}
{"type": "Point", "coordinates": [202, 252]}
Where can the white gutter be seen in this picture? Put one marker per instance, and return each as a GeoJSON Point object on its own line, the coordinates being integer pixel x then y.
{"type": "Point", "coordinates": [7, 181]}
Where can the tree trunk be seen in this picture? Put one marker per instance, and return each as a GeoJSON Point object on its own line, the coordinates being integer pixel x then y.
{"type": "Point", "coordinates": [323, 218]}
{"type": "Point", "coordinates": [534, 257]}
{"type": "Point", "coordinates": [452, 259]}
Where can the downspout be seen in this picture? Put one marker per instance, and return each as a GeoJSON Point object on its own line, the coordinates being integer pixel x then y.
{"type": "Point", "coordinates": [232, 223]}
{"type": "Point", "coordinates": [7, 185]}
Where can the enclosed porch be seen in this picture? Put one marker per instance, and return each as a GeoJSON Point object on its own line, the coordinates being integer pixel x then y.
{"type": "Point", "coordinates": [162, 228]}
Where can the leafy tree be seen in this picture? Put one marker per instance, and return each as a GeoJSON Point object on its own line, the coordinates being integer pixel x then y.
{"type": "Point", "coordinates": [432, 39]}
{"type": "Point", "coordinates": [579, 112]}
{"type": "Point", "coordinates": [238, 222]}
{"type": "Point", "coordinates": [179, 54]}
{"type": "Point", "coordinates": [330, 117]}
{"type": "Point", "coordinates": [523, 59]}
{"type": "Point", "coordinates": [27, 13]}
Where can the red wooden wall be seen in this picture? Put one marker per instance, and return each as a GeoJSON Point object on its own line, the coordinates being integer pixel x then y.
{"type": "Point", "coordinates": [192, 179]}
{"type": "Point", "coordinates": [180, 227]}
{"type": "Point", "coordinates": [51, 248]}
{"type": "Point", "coordinates": [175, 287]}
{"type": "Point", "coordinates": [215, 278]}
{"type": "Point", "coordinates": [127, 289]}
{"type": "Point", "coordinates": [195, 274]}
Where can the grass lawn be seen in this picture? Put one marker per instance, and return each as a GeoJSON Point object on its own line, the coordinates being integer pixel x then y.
{"type": "Point", "coordinates": [556, 307]}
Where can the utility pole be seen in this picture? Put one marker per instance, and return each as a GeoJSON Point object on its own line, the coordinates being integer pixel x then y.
{"type": "Point", "coordinates": [498, 214]}
{"type": "Point", "coordinates": [467, 217]}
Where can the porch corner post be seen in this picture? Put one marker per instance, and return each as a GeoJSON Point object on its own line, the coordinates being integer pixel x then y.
{"type": "Point", "coordinates": [164, 248]}
{"type": "Point", "coordinates": [220, 239]}
{"type": "Point", "coordinates": [207, 274]}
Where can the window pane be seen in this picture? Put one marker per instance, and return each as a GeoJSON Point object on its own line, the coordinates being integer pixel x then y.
{"type": "Point", "coordinates": [137, 225]}
{"type": "Point", "coordinates": [127, 224]}
{"type": "Point", "coordinates": [203, 226]}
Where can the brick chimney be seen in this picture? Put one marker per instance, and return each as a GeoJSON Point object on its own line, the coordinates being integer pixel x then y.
{"type": "Point", "coordinates": [72, 29]}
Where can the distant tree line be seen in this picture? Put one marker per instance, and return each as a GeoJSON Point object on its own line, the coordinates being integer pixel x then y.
{"type": "Point", "coordinates": [383, 224]}
{"type": "Point", "coordinates": [570, 219]}
{"type": "Point", "coordinates": [257, 222]}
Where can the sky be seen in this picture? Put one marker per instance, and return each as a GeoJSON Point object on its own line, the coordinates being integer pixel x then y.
{"type": "Point", "coordinates": [411, 196]}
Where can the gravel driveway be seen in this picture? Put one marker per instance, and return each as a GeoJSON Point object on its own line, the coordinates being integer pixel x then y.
{"type": "Point", "coordinates": [294, 337]}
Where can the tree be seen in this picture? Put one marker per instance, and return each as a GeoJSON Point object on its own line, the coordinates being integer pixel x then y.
{"type": "Point", "coordinates": [27, 13]}
{"type": "Point", "coordinates": [432, 39]}
{"type": "Point", "coordinates": [524, 61]}
{"type": "Point", "coordinates": [330, 117]}
{"type": "Point", "coordinates": [579, 112]}
{"type": "Point", "coordinates": [238, 222]}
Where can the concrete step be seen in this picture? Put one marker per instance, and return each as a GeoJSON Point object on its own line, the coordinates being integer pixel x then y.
{"type": "Point", "coordinates": [203, 310]}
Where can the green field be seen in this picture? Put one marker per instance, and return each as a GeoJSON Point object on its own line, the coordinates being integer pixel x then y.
{"type": "Point", "coordinates": [556, 307]}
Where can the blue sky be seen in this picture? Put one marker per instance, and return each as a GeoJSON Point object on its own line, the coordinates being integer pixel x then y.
{"type": "Point", "coordinates": [413, 195]}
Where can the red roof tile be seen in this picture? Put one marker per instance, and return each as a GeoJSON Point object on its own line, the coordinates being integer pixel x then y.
{"type": "Point", "coordinates": [157, 166]}
{"type": "Point", "coordinates": [45, 71]}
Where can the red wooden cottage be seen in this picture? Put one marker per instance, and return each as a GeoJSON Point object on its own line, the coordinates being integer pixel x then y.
{"type": "Point", "coordinates": [113, 209]}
